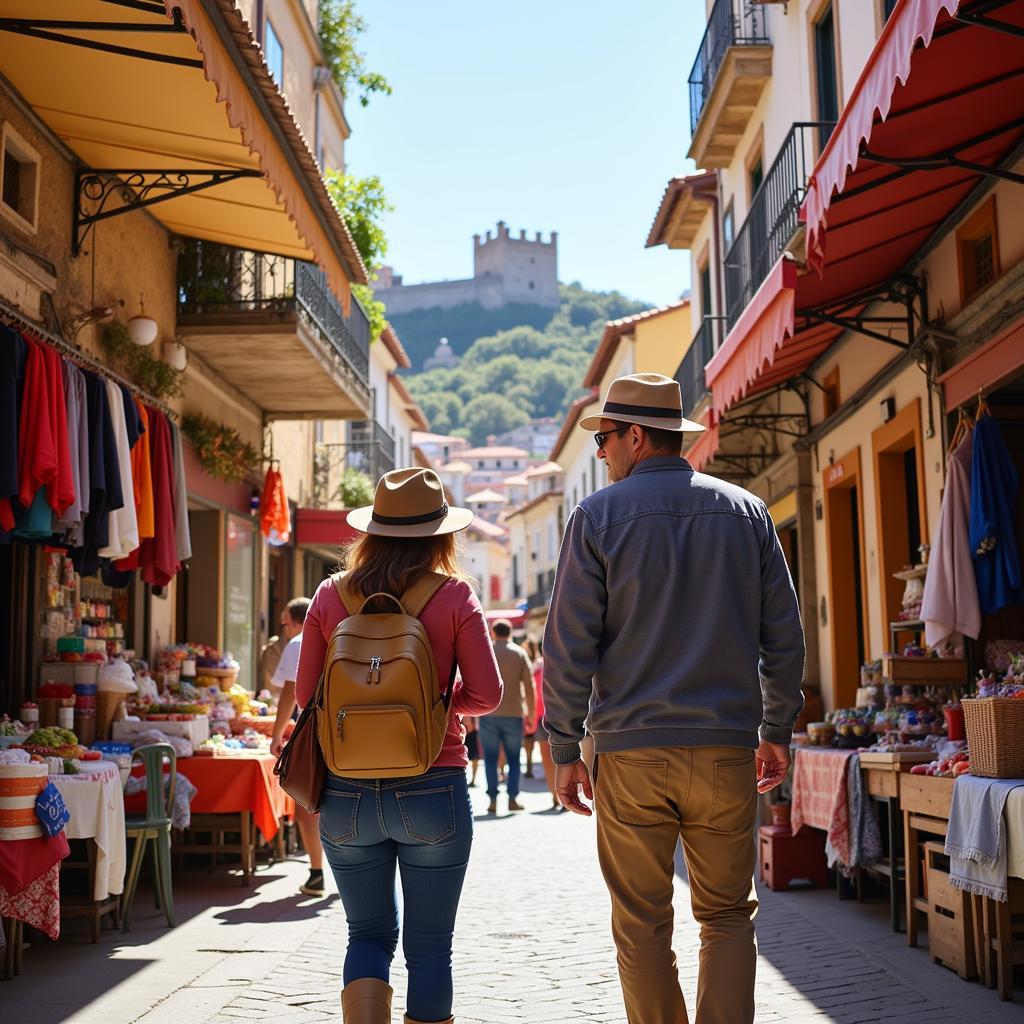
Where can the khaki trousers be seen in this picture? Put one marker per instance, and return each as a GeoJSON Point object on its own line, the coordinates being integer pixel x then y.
{"type": "Point", "coordinates": [645, 800]}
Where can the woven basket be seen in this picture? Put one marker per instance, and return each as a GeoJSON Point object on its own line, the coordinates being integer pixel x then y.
{"type": "Point", "coordinates": [226, 677]}
{"type": "Point", "coordinates": [995, 736]}
{"type": "Point", "coordinates": [263, 725]}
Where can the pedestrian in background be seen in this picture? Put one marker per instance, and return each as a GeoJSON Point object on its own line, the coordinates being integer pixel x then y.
{"type": "Point", "coordinates": [674, 632]}
{"type": "Point", "coordinates": [282, 683]}
{"type": "Point", "coordinates": [530, 735]}
{"type": "Point", "coordinates": [503, 728]}
{"type": "Point", "coordinates": [421, 825]}
{"type": "Point", "coordinates": [542, 736]}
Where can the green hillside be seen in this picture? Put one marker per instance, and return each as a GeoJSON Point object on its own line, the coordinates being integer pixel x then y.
{"type": "Point", "coordinates": [518, 363]}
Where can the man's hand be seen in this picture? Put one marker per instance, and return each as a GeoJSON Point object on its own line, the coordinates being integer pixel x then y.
{"type": "Point", "coordinates": [772, 760]}
{"type": "Point", "coordinates": [569, 778]}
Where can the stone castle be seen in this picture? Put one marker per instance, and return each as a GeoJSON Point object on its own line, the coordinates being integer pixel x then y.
{"type": "Point", "coordinates": [506, 270]}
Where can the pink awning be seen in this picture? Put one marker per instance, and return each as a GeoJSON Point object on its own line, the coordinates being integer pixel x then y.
{"type": "Point", "coordinates": [703, 450]}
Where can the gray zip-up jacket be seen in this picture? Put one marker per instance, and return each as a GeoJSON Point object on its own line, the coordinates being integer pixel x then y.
{"type": "Point", "coordinates": [673, 619]}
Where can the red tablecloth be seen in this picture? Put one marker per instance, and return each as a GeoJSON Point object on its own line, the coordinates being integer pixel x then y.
{"type": "Point", "coordinates": [30, 881]}
{"type": "Point", "coordinates": [227, 785]}
{"type": "Point", "coordinates": [819, 795]}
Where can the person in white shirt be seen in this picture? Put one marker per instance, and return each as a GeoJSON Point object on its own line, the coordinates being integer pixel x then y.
{"type": "Point", "coordinates": [283, 681]}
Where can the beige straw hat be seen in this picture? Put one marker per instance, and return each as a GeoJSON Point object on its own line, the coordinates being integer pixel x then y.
{"type": "Point", "coordinates": [409, 503]}
{"type": "Point", "coordinates": [648, 399]}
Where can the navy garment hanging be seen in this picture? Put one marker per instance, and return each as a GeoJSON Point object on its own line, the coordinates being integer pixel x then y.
{"type": "Point", "coordinates": [106, 494]}
{"type": "Point", "coordinates": [994, 494]}
{"type": "Point", "coordinates": [132, 417]}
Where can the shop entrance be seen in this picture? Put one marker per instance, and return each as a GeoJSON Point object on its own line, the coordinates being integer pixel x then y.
{"type": "Point", "coordinates": [847, 613]}
{"type": "Point", "coordinates": [900, 505]}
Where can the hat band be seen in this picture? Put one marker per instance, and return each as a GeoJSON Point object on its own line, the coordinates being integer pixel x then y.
{"type": "Point", "coordinates": [643, 410]}
{"type": "Point", "coordinates": [427, 517]}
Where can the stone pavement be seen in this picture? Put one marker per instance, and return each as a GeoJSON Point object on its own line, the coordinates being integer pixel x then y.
{"type": "Point", "coordinates": [532, 945]}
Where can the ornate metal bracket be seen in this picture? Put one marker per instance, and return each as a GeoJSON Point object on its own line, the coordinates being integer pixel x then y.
{"type": "Point", "coordinates": [137, 189]}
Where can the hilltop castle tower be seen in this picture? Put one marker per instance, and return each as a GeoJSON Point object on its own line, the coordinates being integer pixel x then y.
{"type": "Point", "coordinates": [506, 270]}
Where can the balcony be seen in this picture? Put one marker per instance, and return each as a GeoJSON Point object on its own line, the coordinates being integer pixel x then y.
{"type": "Point", "coordinates": [272, 328]}
{"type": "Point", "coordinates": [771, 226]}
{"type": "Point", "coordinates": [370, 450]}
{"type": "Point", "coordinates": [733, 65]}
{"type": "Point", "coordinates": [691, 370]}
{"type": "Point", "coordinates": [542, 595]}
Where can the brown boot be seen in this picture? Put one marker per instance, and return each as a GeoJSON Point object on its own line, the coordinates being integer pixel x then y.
{"type": "Point", "coordinates": [366, 1001]}
{"type": "Point", "coordinates": [409, 1020]}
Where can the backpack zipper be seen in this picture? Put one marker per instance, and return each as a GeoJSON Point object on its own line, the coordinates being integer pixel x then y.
{"type": "Point", "coordinates": [340, 721]}
{"type": "Point", "coordinates": [374, 667]}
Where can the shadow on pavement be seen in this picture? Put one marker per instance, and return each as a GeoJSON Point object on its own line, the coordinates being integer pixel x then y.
{"type": "Point", "coordinates": [289, 908]}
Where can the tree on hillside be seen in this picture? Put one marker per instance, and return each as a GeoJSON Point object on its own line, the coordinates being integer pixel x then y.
{"type": "Point", "coordinates": [490, 414]}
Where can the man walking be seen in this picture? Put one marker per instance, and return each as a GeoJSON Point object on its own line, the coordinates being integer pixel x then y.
{"type": "Point", "coordinates": [503, 727]}
{"type": "Point", "coordinates": [674, 632]}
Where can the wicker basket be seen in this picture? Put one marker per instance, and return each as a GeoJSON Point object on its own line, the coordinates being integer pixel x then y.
{"type": "Point", "coordinates": [995, 736]}
{"type": "Point", "coordinates": [263, 725]}
{"type": "Point", "coordinates": [226, 677]}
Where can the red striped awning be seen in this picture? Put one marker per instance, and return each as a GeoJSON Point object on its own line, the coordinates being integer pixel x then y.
{"type": "Point", "coordinates": [703, 450]}
{"type": "Point", "coordinates": [938, 107]}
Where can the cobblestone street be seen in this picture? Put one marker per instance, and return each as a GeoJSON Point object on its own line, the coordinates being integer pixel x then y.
{"type": "Point", "coordinates": [533, 945]}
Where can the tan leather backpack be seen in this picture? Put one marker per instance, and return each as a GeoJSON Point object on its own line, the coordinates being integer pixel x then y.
{"type": "Point", "coordinates": [381, 713]}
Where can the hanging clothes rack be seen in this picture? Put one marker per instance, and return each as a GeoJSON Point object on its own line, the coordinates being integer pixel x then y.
{"type": "Point", "coordinates": [13, 318]}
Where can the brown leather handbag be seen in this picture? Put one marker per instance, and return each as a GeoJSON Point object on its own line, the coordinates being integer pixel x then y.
{"type": "Point", "coordinates": [300, 769]}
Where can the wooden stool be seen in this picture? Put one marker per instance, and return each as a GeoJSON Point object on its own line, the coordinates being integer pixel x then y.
{"type": "Point", "coordinates": [785, 857]}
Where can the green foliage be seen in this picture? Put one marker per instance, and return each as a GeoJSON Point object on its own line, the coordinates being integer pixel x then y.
{"type": "Point", "coordinates": [355, 489]}
{"type": "Point", "coordinates": [140, 366]}
{"type": "Point", "coordinates": [490, 414]}
{"type": "Point", "coordinates": [340, 28]}
{"type": "Point", "coordinates": [221, 450]}
{"type": "Point", "coordinates": [362, 203]}
{"type": "Point", "coordinates": [515, 374]}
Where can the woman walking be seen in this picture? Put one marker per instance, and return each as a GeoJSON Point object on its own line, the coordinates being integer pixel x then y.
{"type": "Point", "coordinates": [423, 825]}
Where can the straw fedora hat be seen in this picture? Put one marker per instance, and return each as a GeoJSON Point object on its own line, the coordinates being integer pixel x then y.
{"type": "Point", "coordinates": [648, 399]}
{"type": "Point", "coordinates": [409, 503]}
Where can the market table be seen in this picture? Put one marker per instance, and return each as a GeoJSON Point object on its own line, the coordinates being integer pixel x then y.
{"type": "Point", "coordinates": [94, 801]}
{"type": "Point", "coordinates": [234, 793]}
{"type": "Point", "coordinates": [925, 801]}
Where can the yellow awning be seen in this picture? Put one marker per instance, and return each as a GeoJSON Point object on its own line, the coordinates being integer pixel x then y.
{"type": "Point", "coordinates": [193, 94]}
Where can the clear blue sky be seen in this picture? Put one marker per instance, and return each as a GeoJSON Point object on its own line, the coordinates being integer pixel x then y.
{"type": "Point", "coordinates": [566, 115]}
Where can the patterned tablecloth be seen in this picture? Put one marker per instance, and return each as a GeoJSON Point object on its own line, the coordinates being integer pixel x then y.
{"type": "Point", "coordinates": [94, 799]}
{"type": "Point", "coordinates": [38, 904]}
{"type": "Point", "coordinates": [29, 881]}
{"type": "Point", "coordinates": [820, 796]}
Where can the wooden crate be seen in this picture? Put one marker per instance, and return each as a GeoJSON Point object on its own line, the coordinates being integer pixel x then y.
{"type": "Point", "coordinates": [900, 761]}
{"type": "Point", "coordinates": [950, 922]}
{"type": "Point", "coordinates": [951, 671]}
{"type": "Point", "coordinates": [926, 794]}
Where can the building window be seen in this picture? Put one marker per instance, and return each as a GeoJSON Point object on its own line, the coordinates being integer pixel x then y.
{"type": "Point", "coordinates": [705, 289]}
{"type": "Point", "coordinates": [728, 227]}
{"type": "Point", "coordinates": [19, 168]}
{"type": "Point", "coordinates": [830, 394]}
{"type": "Point", "coordinates": [273, 53]}
{"type": "Point", "coordinates": [756, 177]}
{"type": "Point", "coordinates": [977, 250]}
{"type": "Point", "coordinates": [827, 80]}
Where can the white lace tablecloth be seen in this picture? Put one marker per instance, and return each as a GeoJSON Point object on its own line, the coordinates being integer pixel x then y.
{"type": "Point", "coordinates": [95, 801]}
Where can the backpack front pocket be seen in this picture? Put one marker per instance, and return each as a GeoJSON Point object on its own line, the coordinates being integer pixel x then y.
{"type": "Point", "coordinates": [381, 737]}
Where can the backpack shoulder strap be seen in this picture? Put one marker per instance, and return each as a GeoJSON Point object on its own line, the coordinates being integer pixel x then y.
{"type": "Point", "coordinates": [351, 599]}
{"type": "Point", "coordinates": [416, 598]}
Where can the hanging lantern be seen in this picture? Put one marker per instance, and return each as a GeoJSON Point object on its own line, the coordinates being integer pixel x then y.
{"type": "Point", "coordinates": [144, 330]}
{"type": "Point", "coordinates": [176, 355]}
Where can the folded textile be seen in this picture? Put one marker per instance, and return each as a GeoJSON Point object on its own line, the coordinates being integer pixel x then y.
{"type": "Point", "coordinates": [51, 810]}
{"type": "Point", "coordinates": [820, 798]}
{"type": "Point", "coordinates": [865, 837]}
{"type": "Point", "coordinates": [184, 793]}
{"type": "Point", "coordinates": [976, 840]}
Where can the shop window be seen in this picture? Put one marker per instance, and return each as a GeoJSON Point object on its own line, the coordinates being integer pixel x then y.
{"type": "Point", "coordinates": [19, 168]}
{"type": "Point", "coordinates": [899, 498]}
{"type": "Point", "coordinates": [273, 53]}
{"type": "Point", "coordinates": [977, 249]}
{"type": "Point", "coordinates": [830, 394]}
{"type": "Point", "coordinates": [825, 67]}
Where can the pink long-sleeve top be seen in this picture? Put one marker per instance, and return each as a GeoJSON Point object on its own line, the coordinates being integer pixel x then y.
{"type": "Point", "coordinates": [456, 628]}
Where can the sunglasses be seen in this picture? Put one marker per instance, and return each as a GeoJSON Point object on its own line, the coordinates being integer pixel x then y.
{"type": "Point", "coordinates": [605, 434]}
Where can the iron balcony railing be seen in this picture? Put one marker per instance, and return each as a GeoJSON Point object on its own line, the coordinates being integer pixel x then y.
{"type": "Point", "coordinates": [370, 450]}
{"type": "Point", "coordinates": [542, 595]}
{"type": "Point", "coordinates": [731, 23]}
{"type": "Point", "coordinates": [690, 374]}
{"type": "Point", "coordinates": [771, 222]}
{"type": "Point", "coordinates": [219, 279]}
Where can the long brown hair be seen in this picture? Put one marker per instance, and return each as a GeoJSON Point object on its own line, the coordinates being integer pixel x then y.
{"type": "Point", "coordinates": [392, 564]}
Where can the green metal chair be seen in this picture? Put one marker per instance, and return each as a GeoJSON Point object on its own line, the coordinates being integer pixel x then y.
{"type": "Point", "coordinates": [155, 827]}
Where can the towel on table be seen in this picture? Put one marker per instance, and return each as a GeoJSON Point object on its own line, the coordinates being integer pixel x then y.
{"type": "Point", "coordinates": [51, 810]}
{"type": "Point", "coordinates": [976, 840]}
{"type": "Point", "coordinates": [820, 798]}
{"type": "Point", "coordinates": [865, 837]}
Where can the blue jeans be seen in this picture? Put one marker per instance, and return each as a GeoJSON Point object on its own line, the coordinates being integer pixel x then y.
{"type": "Point", "coordinates": [508, 732]}
{"type": "Point", "coordinates": [424, 825]}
